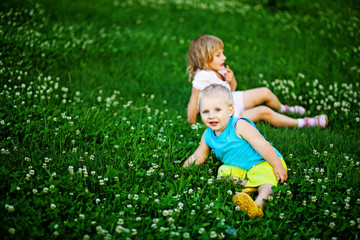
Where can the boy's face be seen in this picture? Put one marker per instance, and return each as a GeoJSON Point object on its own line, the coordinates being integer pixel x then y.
{"type": "Point", "coordinates": [218, 61]}
{"type": "Point", "coordinates": [215, 113]}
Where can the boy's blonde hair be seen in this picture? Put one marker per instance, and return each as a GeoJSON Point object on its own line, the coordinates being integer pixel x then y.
{"type": "Point", "coordinates": [215, 90]}
{"type": "Point", "coordinates": [201, 52]}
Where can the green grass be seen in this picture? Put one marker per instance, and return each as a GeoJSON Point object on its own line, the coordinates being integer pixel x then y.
{"type": "Point", "coordinates": [93, 118]}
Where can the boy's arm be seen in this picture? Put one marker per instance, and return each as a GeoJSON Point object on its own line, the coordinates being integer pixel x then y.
{"type": "Point", "coordinates": [200, 154]}
{"type": "Point", "coordinates": [263, 147]}
{"type": "Point", "coordinates": [192, 110]}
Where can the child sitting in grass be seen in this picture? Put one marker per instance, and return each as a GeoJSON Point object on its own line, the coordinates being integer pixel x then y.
{"type": "Point", "coordinates": [248, 158]}
{"type": "Point", "coordinates": [206, 65]}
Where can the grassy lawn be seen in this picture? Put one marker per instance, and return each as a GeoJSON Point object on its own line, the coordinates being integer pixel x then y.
{"type": "Point", "coordinates": [93, 98]}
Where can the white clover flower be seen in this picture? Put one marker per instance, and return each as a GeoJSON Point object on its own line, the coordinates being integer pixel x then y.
{"type": "Point", "coordinates": [52, 206]}
{"type": "Point", "coordinates": [138, 219]}
{"type": "Point", "coordinates": [333, 215]}
{"type": "Point", "coordinates": [12, 231]}
{"type": "Point", "coordinates": [304, 203]}
{"type": "Point", "coordinates": [186, 235]}
{"type": "Point", "coordinates": [119, 229]}
{"type": "Point", "coordinates": [229, 192]}
{"type": "Point", "coordinates": [213, 234]}
{"type": "Point", "coordinates": [120, 221]}
{"type": "Point", "coordinates": [10, 208]}
{"type": "Point", "coordinates": [339, 175]}
{"type": "Point", "coordinates": [201, 231]}
{"type": "Point", "coordinates": [163, 229]}
{"type": "Point", "coordinates": [154, 226]}
{"type": "Point", "coordinates": [136, 197]}
{"type": "Point", "coordinates": [281, 215]}
{"type": "Point", "coordinates": [34, 190]}
{"type": "Point", "coordinates": [332, 225]}
{"type": "Point", "coordinates": [326, 212]}
{"type": "Point", "coordinates": [193, 212]}
{"type": "Point", "coordinates": [313, 198]}
{"type": "Point", "coordinates": [171, 220]}
{"type": "Point", "coordinates": [165, 213]}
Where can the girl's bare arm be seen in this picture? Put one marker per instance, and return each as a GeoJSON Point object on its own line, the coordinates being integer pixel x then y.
{"type": "Point", "coordinates": [230, 78]}
{"type": "Point", "coordinates": [192, 110]}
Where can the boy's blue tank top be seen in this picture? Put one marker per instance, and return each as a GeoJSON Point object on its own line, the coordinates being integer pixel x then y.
{"type": "Point", "coordinates": [233, 150]}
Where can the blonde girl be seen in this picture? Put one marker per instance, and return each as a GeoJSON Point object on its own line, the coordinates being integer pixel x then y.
{"type": "Point", "coordinates": [206, 65]}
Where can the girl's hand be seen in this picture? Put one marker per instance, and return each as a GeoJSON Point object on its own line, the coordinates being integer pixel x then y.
{"type": "Point", "coordinates": [229, 75]}
{"type": "Point", "coordinates": [280, 173]}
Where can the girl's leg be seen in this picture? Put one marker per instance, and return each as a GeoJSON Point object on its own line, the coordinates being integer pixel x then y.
{"type": "Point", "coordinates": [263, 95]}
{"type": "Point", "coordinates": [266, 114]}
{"type": "Point", "coordinates": [279, 120]}
{"type": "Point", "coordinates": [264, 193]}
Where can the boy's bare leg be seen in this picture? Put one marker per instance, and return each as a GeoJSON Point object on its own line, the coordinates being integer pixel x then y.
{"type": "Point", "coordinates": [264, 193]}
{"type": "Point", "coordinates": [236, 180]}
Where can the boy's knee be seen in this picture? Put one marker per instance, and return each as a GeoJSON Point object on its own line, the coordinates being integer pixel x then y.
{"type": "Point", "coordinates": [223, 171]}
{"type": "Point", "coordinates": [230, 171]}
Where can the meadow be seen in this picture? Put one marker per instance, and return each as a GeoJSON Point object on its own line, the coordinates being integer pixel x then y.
{"type": "Point", "coordinates": [93, 98]}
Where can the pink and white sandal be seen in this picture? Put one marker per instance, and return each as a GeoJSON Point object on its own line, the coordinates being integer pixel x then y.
{"type": "Point", "coordinates": [295, 109]}
{"type": "Point", "coordinates": [320, 121]}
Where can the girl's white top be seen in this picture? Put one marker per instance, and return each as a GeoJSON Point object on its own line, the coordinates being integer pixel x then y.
{"type": "Point", "coordinates": [204, 78]}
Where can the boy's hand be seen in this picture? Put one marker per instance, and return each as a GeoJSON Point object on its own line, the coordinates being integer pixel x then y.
{"type": "Point", "coordinates": [229, 75]}
{"type": "Point", "coordinates": [281, 174]}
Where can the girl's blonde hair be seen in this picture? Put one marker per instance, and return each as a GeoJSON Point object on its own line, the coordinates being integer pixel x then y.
{"type": "Point", "coordinates": [201, 52]}
{"type": "Point", "coordinates": [215, 90]}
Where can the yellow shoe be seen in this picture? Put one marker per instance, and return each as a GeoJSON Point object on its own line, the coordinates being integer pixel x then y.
{"type": "Point", "coordinates": [245, 202]}
{"type": "Point", "coordinates": [249, 190]}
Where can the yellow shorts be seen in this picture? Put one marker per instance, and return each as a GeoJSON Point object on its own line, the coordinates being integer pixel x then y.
{"type": "Point", "coordinates": [259, 174]}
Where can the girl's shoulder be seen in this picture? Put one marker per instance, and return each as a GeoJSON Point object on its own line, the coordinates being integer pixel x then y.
{"type": "Point", "coordinates": [204, 78]}
{"type": "Point", "coordinates": [204, 74]}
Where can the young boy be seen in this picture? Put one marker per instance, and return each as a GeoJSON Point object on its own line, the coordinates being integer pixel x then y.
{"type": "Point", "coordinates": [248, 158]}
